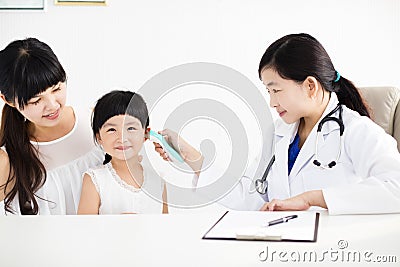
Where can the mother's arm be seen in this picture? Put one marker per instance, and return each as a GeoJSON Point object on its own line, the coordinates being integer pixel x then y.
{"type": "Point", "coordinates": [4, 174]}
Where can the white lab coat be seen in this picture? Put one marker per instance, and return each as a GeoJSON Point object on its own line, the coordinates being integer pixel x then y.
{"type": "Point", "coordinates": [365, 180]}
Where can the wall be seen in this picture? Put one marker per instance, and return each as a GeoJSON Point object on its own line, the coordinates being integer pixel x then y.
{"type": "Point", "coordinates": [127, 42]}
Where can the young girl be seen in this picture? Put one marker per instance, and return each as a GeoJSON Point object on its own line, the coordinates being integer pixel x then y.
{"type": "Point", "coordinates": [121, 184]}
{"type": "Point", "coordinates": [45, 144]}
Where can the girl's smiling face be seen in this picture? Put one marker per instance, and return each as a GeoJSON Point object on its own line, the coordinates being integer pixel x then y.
{"type": "Point", "coordinates": [122, 137]}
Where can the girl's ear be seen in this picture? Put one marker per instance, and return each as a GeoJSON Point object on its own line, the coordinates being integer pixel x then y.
{"type": "Point", "coordinates": [5, 101]}
{"type": "Point", "coordinates": [312, 86]}
{"type": "Point", "coordinates": [147, 134]}
{"type": "Point", "coordinates": [98, 139]}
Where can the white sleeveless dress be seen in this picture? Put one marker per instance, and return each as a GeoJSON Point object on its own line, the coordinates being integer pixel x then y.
{"type": "Point", "coordinates": [117, 197]}
{"type": "Point", "coordinates": [65, 160]}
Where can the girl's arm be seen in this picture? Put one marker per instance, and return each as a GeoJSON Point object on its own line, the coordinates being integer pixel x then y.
{"type": "Point", "coordinates": [90, 199]}
{"type": "Point", "coordinates": [165, 202]}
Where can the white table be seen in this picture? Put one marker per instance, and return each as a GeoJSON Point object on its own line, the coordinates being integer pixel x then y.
{"type": "Point", "coordinates": [175, 240]}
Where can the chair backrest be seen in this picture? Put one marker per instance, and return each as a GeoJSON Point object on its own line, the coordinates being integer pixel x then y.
{"type": "Point", "coordinates": [384, 103]}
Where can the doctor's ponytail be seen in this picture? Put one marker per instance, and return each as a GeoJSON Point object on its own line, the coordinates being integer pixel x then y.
{"type": "Point", "coordinates": [297, 56]}
{"type": "Point", "coordinates": [349, 96]}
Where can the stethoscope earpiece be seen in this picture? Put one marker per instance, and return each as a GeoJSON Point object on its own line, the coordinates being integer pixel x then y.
{"type": "Point", "coordinates": [332, 164]}
{"type": "Point", "coordinates": [317, 163]}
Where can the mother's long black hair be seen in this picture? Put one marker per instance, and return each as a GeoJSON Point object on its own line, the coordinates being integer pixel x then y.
{"type": "Point", "coordinates": [296, 56]}
{"type": "Point", "coordinates": [27, 68]}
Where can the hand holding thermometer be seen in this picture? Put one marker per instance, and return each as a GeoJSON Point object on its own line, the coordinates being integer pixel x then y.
{"type": "Point", "coordinates": [165, 145]}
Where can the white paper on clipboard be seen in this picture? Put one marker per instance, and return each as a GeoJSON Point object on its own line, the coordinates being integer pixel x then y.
{"type": "Point", "coordinates": [250, 225]}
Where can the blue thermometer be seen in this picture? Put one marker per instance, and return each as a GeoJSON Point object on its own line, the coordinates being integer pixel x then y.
{"type": "Point", "coordinates": [166, 146]}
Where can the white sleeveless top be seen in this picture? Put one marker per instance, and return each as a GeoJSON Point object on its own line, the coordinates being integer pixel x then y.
{"type": "Point", "coordinates": [117, 197]}
{"type": "Point", "coordinates": [65, 160]}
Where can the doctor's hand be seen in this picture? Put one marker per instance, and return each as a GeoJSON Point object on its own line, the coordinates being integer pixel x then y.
{"type": "Point", "coordinates": [189, 154]}
{"type": "Point", "coordinates": [300, 202]}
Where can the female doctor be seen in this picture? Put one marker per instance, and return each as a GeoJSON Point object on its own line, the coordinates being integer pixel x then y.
{"type": "Point", "coordinates": [328, 153]}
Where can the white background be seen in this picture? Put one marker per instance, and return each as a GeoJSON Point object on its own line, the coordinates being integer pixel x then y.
{"type": "Point", "coordinates": [127, 42]}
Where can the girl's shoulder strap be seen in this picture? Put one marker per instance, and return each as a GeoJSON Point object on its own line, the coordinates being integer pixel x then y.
{"type": "Point", "coordinates": [98, 175]}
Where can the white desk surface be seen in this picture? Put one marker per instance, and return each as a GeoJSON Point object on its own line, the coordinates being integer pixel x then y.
{"type": "Point", "coordinates": [176, 240]}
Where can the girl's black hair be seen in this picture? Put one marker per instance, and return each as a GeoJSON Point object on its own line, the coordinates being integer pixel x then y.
{"type": "Point", "coordinates": [117, 103]}
{"type": "Point", "coordinates": [296, 56]}
{"type": "Point", "coordinates": [27, 68]}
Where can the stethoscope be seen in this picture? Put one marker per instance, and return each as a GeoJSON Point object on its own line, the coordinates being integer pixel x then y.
{"type": "Point", "coordinates": [261, 184]}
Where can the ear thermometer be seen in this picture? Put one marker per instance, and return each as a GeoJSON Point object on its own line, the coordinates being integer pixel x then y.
{"type": "Point", "coordinates": [165, 145]}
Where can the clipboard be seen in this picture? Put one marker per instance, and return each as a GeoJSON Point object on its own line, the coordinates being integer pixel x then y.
{"type": "Point", "coordinates": [251, 226]}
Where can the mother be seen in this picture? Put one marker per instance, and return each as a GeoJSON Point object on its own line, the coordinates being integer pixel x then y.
{"type": "Point", "coordinates": [46, 145]}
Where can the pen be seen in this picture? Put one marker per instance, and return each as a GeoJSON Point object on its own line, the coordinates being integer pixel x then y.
{"type": "Point", "coordinates": [281, 220]}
